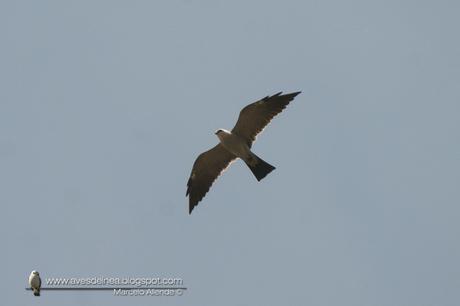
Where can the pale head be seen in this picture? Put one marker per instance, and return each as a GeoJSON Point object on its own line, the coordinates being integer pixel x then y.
{"type": "Point", "coordinates": [221, 133]}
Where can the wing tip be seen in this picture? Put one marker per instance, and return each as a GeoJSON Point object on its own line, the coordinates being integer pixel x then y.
{"type": "Point", "coordinates": [291, 95]}
{"type": "Point", "coordinates": [191, 206]}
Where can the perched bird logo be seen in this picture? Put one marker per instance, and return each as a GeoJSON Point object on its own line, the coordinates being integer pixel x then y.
{"type": "Point", "coordinates": [236, 144]}
{"type": "Point", "coordinates": [35, 282]}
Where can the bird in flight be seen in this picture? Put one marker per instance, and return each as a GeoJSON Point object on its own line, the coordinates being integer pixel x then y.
{"type": "Point", "coordinates": [35, 282]}
{"type": "Point", "coordinates": [236, 144]}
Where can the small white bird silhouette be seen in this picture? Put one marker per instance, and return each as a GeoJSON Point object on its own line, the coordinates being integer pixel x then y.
{"type": "Point", "coordinates": [35, 282]}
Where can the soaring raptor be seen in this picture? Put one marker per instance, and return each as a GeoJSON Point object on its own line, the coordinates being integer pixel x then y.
{"type": "Point", "coordinates": [236, 144]}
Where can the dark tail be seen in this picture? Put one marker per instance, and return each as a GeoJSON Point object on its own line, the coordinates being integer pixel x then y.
{"type": "Point", "coordinates": [260, 168]}
{"type": "Point", "coordinates": [36, 293]}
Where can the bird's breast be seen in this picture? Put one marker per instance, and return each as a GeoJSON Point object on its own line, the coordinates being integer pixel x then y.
{"type": "Point", "coordinates": [235, 145]}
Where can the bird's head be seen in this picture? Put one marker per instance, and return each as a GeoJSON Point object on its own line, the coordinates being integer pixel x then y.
{"type": "Point", "coordinates": [221, 131]}
{"type": "Point", "coordinates": [35, 272]}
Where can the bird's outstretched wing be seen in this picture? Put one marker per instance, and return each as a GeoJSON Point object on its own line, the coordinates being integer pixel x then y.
{"type": "Point", "coordinates": [255, 117]}
{"type": "Point", "coordinates": [206, 169]}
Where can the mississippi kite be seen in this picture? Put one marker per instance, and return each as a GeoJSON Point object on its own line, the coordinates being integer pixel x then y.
{"type": "Point", "coordinates": [35, 282]}
{"type": "Point", "coordinates": [236, 144]}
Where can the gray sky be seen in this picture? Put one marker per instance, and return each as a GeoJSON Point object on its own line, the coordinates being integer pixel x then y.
{"type": "Point", "coordinates": [104, 106]}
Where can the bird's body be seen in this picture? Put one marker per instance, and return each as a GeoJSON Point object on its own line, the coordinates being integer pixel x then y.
{"type": "Point", "coordinates": [35, 282]}
{"type": "Point", "coordinates": [236, 144]}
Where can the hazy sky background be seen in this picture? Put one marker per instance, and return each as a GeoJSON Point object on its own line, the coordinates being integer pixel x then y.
{"type": "Point", "coordinates": [104, 106]}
